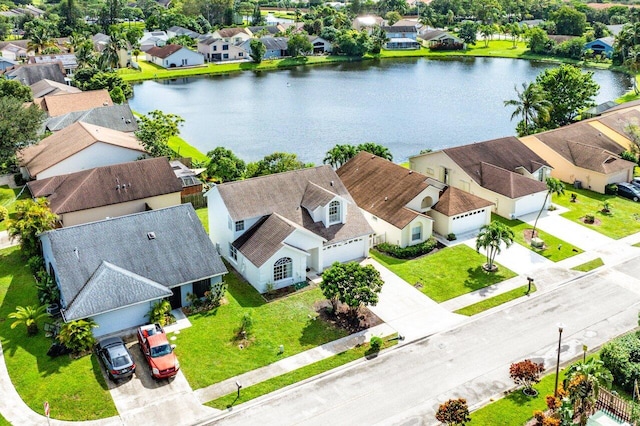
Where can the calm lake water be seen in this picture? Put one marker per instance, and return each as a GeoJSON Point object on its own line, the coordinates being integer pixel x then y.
{"type": "Point", "coordinates": [407, 105]}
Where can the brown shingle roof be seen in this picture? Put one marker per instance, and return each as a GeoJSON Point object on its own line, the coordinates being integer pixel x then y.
{"type": "Point", "coordinates": [282, 193]}
{"type": "Point", "coordinates": [60, 104]}
{"type": "Point", "coordinates": [621, 120]}
{"type": "Point", "coordinates": [586, 147]}
{"type": "Point", "coordinates": [164, 51]}
{"type": "Point", "coordinates": [230, 32]}
{"type": "Point", "coordinates": [69, 141]}
{"type": "Point", "coordinates": [264, 238]}
{"type": "Point", "coordinates": [454, 201]}
{"type": "Point", "coordinates": [104, 186]}
{"type": "Point", "coordinates": [382, 187]}
{"type": "Point", "coordinates": [507, 183]}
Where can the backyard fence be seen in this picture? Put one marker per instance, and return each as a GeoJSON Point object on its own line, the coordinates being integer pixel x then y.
{"type": "Point", "coordinates": [196, 200]}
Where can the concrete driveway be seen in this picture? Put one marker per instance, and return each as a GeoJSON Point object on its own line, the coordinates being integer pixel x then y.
{"type": "Point", "coordinates": [518, 258]}
{"type": "Point", "coordinates": [408, 310]}
{"type": "Point", "coordinates": [144, 400]}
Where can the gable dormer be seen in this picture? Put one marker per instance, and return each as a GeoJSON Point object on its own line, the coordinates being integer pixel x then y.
{"type": "Point", "coordinates": [323, 205]}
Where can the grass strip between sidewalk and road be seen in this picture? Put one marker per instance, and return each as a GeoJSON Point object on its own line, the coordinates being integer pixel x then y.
{"type": "Point", "coordinates": [295, 376]}
{"type": "Point", "coordinates": [494, 301]}
{"type": "Point", "coordinates": [589, 266]}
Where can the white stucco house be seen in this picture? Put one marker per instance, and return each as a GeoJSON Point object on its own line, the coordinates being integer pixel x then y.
{"type": "Point", "coordinates": [502, 171]}
{"type": "Point", "coordinates": [217, 50]}
{"type": "Point", "coordinates": [114, 270]}
{"type": "Point", "coordinates": [173, 56]}
{"type": "Point", "coordinates": [405, 207]}
{"type": "Point", "coordinates": [77, 147]}
{"type": "Point", "coordinates": [274, 229]}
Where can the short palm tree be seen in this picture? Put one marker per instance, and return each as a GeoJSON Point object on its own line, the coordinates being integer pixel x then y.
{"type": "Point", "coordinates": [109, 57]}
{"type": "Point", "coordinates": [531, 105]}
{"type": "Point", "coordinates": [40, 40]}
{"type": "Point", "coordinates": [339, 154]}
{"type": "Point", "coordinates": [490, 238]}
{"type": "Point", "coordinates": [554, 186]}
{"type": "Point", "coordinates": [78, 335]}
{"type": "Point", "coordinates": [29, 316]}
{"type": "Point", "coordinates": [584, 379]}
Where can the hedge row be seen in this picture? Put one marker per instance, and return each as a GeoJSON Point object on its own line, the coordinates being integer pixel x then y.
{"type": "Point", "coordinates": [408, 252]}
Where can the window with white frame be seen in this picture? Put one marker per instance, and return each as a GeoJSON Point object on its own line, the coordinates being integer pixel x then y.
{"type": "Point", "coordinates": [334, 212]}
{"type": "Point", "coordinates": [230, 223]}
{"type": "Point", "coordinates": [282, 269]}
{"type": "Point", "coordinates": [416, 232]}
{"type": "Point", "coordinates": [233, 252]}
{"type": "Point", "coordinates": [240, 225]}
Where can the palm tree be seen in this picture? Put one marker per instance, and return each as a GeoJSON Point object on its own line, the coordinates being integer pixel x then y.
{"type": "Point", "coordinates": [554, 186]}
{"type": "Point", "coordinates": [40, 39]}
{"type": "Point", "coordinates": [531, 105]}
{"type": "Point", "coordinates": [486, 31]}
{"type": "Point", "coordinates": [339, 154]}
{"type": "Point", "coordinates": [110, 55]}
{"type": "Point", "coordinates": [375, 149]}
{"type": "Point", "coordinates": [584, 379]}
{"type": "Point", "coordinates": [29, 316]}
{"type": "Point", "coordinates": [490, 239]}
{"type": "Point", "coordinates": [85, 54]}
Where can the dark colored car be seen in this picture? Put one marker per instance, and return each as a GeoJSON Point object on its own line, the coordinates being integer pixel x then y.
{"type": "Point", "coordinates": [116, 358]}
{"type": "Point", "coordinates": [636, 182]}
{"type": "Point", "coordinates": [629, 191]}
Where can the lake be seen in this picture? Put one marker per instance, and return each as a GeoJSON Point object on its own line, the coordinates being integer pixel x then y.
{"type": "Point", "coordinates": [407, 105]}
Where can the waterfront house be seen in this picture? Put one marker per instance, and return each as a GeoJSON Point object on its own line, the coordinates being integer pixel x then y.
{"type": "Point", "coordinates": [217, 50]}
{"type": "Point", "coordinates": [276, 47]}
{"type": "Point", "coordinates": [174, 55]}
{"type": "Point", "coordinates": [401, 37]}
{"type": "Point", "coordinates": [46, 87]}
{"type": "Point", "coordinates": [116, 117]}
{"type": "Point", "coordinates": [601, 46]}
{"type": "Point", "coordinates": [232, 35]}
{"type": "Point", "coordinates": [441, 40]}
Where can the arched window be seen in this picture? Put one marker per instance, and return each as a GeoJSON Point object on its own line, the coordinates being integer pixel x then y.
{"type": "Point", "coordinates": [334, 212]}
{"type": "Point", "coordinates": [282, 269]}
{"type": "Point", "coordinates": [427, 202]}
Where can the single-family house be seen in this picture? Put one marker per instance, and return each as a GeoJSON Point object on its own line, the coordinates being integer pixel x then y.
{"type": "Point", "coordinates": [216, 50]}
{"type": "Point", "coordinates": [320, 45]}
{"type": "Point", "coordinates": [13, 52]}
{"type": "Point", "coordinates": [64, 103]}
{"type": "Point", "coordinates": [601, 46]}
{"type": "Point", "coordinates": [188, 177]}
{"type": "Point", "coordinates": [100, 42]}
{"type": "Point", "coordinates": [583, 155]}
{"type": "Point", "coordinates": [502, 171]}
{"type": "Point", "coordinates": [110, 191]}
{"type": "Point", "coordinates": [78, 147]}
{"type": "Point", "coordinates": [404, 206]}
{"type": "Point", "coordinates": [114, 270]}
{"type": "Point", "coordinates": [116, 117]}
{"type": "Point", "coordinates": [266, 30]}
{"type": "Point", "coordinates": [276, 47]}
{"type": "Point", "coordinates": [233, 35]}
{"type": "Point", "coordinates": [274, 229]}
{"type": "Point", "coordinates": [177, 31]}
{"type": "Point", "coordinates": [367, 22]}
{"type": "Point", "coordinates": [401, 37]}
{"type": "Point", "coordinates": [442, 40]}
{"type": "Point", "coordinates": [29, 74]}
{"type": "Point", "coordinates": [174, 55]}
{"type": "Point", "coordinates": [68, 61]}
{"type": "Point", "coordinates": [6, 63]}
{"type": "Point", "coordinates": [48, 87]}
{"type": "Point", "coordinates": [153, 39]}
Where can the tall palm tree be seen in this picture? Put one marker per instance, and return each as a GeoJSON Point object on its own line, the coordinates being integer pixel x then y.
{"type": "Point", "coordinates": [29, 316]}
{"type": "Point", "coordinates": [584, 379]}
{"type": "Point", "coordinates": [40, 39]}
{"type": "Point", "coordinates": [531, 105]}
{"type": "Point", "coordinates": [375, 149]}
{"type": "Point", "coordinates": [554, 186]}
{"type": "Point", "coordinates": [491, 238]}
{"type": "Point", "coordinates": [109, 57]}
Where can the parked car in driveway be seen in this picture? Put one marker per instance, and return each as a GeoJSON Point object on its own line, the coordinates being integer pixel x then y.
{"type": "Point", "coordinates": [116, 358]}
{"type": "Point", "coordinates": [636, 182]}
{"type": "Point", "coordinates": [157, 351]}
{"type": "Point", "coordinates": [629, 191]}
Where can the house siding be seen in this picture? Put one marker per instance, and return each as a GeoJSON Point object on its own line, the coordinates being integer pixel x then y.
{"type": "Point", "coordinates": [121, 319]}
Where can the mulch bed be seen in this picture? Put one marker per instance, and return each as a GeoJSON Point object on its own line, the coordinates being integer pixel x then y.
{"type": "Point", "coordinates": [366, 318]}
{"type": "Point", "coordinates": [596, 221]}
{"type": "Point", "coordinates": [528, 235]}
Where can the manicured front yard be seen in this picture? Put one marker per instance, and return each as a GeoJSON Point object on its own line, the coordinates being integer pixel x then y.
{"type": "Point", "coordinates": [498, 300]}
{"type": "Point", "coordinates": [556, 249]}
{"type": "Point", "coordinates": [209, 352]}
{"type": "Point", "coordinates": [623, 220]}
{"type": "Point", "coordinates": [449, 273]}
{"type": "Point", "coordinates": [589, 266]}
{"type": "Point", "coordinates": [75, 389]}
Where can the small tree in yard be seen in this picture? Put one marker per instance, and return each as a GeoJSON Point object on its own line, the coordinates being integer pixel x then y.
{"type": "Point", "coordinates": [32, 217]}
{"type": "Point", "coordinates": [554, 186]}
{"type": "Point", "coordinates": [490, 238]}
{"type": "Point", "coordinates": [29, 316]}
{"type": "Point", "coordinates": [78, 335]}
{"type": "Point", "coordinates": [258, 49]}
{"type": "Point", "coordinates": [453, 412]}
{"type": "Point", "coordinates": [526, 373]}
{"type": "Point", "coordinates": [159, 311]}
{"type": "Point", "coordinates": [351, 284]}
{"type": "Point", "coordinates": [154, 131]}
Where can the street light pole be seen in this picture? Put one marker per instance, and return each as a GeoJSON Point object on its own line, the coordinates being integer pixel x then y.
{"type": "Point", "coordinates": [560, 327]}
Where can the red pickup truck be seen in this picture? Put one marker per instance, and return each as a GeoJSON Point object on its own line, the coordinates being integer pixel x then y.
{"type": "Point", "coordinates": [158, 352]}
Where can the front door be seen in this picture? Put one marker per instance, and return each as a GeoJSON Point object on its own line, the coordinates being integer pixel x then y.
{"type": "Point", "coordinates": [176, 298]}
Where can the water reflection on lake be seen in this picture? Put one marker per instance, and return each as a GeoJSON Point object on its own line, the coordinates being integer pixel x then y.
{"type": "Point", "coordinates": [407, 105]}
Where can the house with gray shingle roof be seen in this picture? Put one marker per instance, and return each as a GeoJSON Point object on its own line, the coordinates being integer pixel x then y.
{"type": "Point", "coordinates": [113, 270]}
{"type": "Point", "coordinates": [276, 47]}
{"type": "Point", "coordinates": [405, 207]}
{"type": "Point", "coordinates": [502, 171]}
{"type": "Point", "coordinates": [275, 228]}
{"type": "Point", "coordinates": [116, 117]}
{"type": "Point", "coordinates": [29, 74]}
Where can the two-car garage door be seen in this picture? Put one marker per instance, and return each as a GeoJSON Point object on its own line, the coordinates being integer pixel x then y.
{"type": "Point", "coordinates": [469, 222]}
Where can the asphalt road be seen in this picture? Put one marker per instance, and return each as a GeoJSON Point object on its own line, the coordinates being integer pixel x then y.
{"type": "Point", "coordinates": [404, 386]}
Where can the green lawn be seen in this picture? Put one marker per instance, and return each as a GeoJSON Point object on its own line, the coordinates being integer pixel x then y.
{"type": "Point", "coordinates": [498, 300]}
{"type": "Point", "coordinates": [556, 250]}
{"type": "Point", "coordinates": [623, 220]}
{"type": "Point", "coordinates": [279, 382]}
{"type": "Point", "coordinates": [588, 266]}
{"type": "Point", "coordinates": [515, 408]}
{"type": "Point", "coordinates": [3, 421]}
{"type": "Point", "coordinates": [209, 354]}
{"type": "Point", "coordinates": [7, 199]}
{"type": "Point", "coordinates": [449, 273]}
{"type": "Point", "coordinates": [75, 389]}
{"type": "Point", "coordinates": [203, 214]}
{"type": "Point", "coordinates": [184, 149]}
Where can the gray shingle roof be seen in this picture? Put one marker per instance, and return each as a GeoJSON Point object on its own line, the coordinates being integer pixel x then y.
{"type": "Point", "coordinates": [264, 239]}
{"type": "Point", "coordinates": [116, 117]}
{"type": "Point", "coordinates": [179, 251]}
{"type": "Point", "coordinates": [275, 43]}
{"type": "Point", "coordinates": [48, 87]}
{"type": "Point", "coordinates": [29, 74]}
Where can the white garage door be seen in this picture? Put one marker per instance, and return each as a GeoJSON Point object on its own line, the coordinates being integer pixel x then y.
{"type": "Point", "coordinates": [121, 319]}
{"type": "Point", "coordinates": [530, 204]}
{"type": "Point", "coordinates": [349, 250]}
{"type": "Point", "coordinates": [472, 222]}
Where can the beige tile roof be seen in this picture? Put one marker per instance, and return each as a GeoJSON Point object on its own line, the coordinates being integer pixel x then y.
{"type": "Point", "coordinates": [455, 201]}
{"type": "Point", "coordinates": [61, 104]}
{"type": "Point", "coordinates": [109, 185]}
{"type": "Point", "coordinates": [69, 141]}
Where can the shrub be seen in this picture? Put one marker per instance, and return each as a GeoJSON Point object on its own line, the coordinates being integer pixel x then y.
{"type": "Point", "coordinates": [589, 218]}
{"type": "Point", "coordinates": [451, 237]}
{"type": "Point", "coordinates": [36, 264]}
{"type": "Point", "coordinates": [622, 358]}
{"type": "Point", "coordinates": [408, 252]}
{"type": "Point", "coordinates": [77, 335]}
{"type": "Point", "coordinates": [159, 312]}
{"type": "Point", "coordinates": [453, 412]}
{"type": "Point", "coordinates": [215, 295]}
{"type": "Point", "coordinates": [611, 189]}
{"type": "Point", "coordinates": [246, 325]}
{"type": "Point", "coordinates": [375, 343]}
{"type": "Point", "coordinates": [526, 373]}
{"type": "Point", "coordinates": [4, 213]}
{"type": "Point", "coordinates": [194, 300]}
{"type": "Point", "coordinates": [48, 291]}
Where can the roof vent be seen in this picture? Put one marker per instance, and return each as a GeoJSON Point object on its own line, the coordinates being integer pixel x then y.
{"type": "Point", "coordinates": [151, 235]}
{"type": "Point", "coordinates": [105, 103]}
{"type": "Point", "coordinates": [331, 183]}
{"type": "Point", "coordinates": [386, 198]}
{"type": "Point", "coordinates": [410, 171]}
